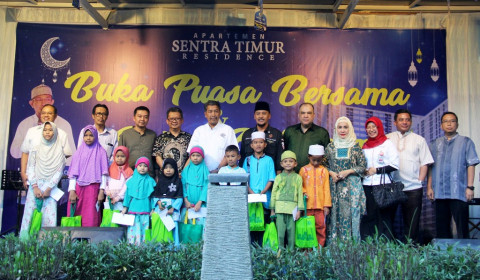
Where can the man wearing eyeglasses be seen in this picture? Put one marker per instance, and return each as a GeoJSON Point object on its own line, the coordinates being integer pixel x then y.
{"type": "Point", "coordinates": [450, 178]}
{"type": "Point", "coordinates": [40, 96]}
{"type": "Point", "coordinates": [174, 142]}
{"type": "Point", "coordinates": [107, 136]}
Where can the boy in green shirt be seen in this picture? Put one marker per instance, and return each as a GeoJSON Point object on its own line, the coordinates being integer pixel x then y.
{"type": "Point", "coordinates": [287, 194]}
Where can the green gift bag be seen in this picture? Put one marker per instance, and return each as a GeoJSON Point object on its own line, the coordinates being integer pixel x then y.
{"type": "Point", "coordinates": [189, 233]}
{"type": "Point", "coordinates": [255, 216]}
{"type": "Point", "coordinates": [148, 231]}
{"type": "Point", "coordinates": [270, 237]}
{"type": "Point", "coordinates": [36, 221]}
{"type": "Point", "coordinates": [158, 232]}
{"type": "Point", "coordinates": [72, 221]}
{"type": "Point", "coordinates": [107, 215]}
{"type": "Point", "coordinates": [305, 232]}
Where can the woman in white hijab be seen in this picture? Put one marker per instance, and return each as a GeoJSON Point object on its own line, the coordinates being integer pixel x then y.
{"type": "Point", "coordinates": [346, 164]}
{"type": "Point", "coordinates": [44, 170]}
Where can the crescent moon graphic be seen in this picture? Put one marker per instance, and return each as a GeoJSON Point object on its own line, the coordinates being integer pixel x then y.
{"type": "Point", "coordinates": [47, 57]}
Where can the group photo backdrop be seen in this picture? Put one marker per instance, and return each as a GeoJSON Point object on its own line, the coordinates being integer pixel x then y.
{"type": "Point", "coordinates": [357, 73]}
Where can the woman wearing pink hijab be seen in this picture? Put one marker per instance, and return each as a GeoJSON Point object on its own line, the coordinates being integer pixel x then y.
{"type": "Point", "coordinates": [88, 175]}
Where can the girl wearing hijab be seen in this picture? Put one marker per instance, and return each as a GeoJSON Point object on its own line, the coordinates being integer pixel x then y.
{"type": "Point", "coordinates": [346, 165]}
{"type": "Point", "coordinates": [119, 172]}
{"type": "Point", "coordinates": [137, 201]}
{"type": "Point", "coordinates": [382, 157]}
{"type": "Point", "coordinates": [88, 176]}
{"type": "Point", "coordinates": [168, 194]}
{"type": "Point", "coordinates": [44, 170]}
{"type": "Point", "coordinates": [195, 183]}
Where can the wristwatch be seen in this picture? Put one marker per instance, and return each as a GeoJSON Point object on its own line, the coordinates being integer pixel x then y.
{"type": "Point", "coordinates": [471, 188]}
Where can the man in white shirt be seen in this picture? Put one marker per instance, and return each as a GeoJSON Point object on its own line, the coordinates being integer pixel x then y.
{"type": "Point", "coordinates": [415, 157]}
{"type": "Point", "coordinates": [213, 137]}
{"type": "Point", "coordinates": [34, 137]}
{"type": "Point", "coordinates": [40, 96]}
{"type": "Point", "coordinates": [107, 137]}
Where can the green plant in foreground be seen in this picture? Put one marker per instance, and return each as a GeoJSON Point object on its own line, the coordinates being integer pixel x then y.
{"type": "Point", "coordinates": [55, 257]}
{"type": "Point", "coordinates": [377, 258]}
{"type": "Point", "coordinates": [31, 259]}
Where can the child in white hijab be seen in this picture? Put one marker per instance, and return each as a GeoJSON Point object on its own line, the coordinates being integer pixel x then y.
{"type": "Point", "coordinates": [44, 170]}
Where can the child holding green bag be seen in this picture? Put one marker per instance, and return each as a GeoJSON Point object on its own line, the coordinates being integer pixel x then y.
{"type": "Point", "coordinates": [88, 174]}
{"type": "Point", "coordinates": [137, 201]}
{"type": "Point", "coordinates": [168, 194]}
{"type": "Point", "coordinates": [119, 172]}
{"type": "Point", "coordinates": [262, 174]}
{"type": "Point", "coordinates": [316, 187]}
{"type": "Point", "coordinates": [195, 187]}
{"type": "Point", "coordinates": [287, 194]}
{"type": "Point", "coordinates": [44, 170]}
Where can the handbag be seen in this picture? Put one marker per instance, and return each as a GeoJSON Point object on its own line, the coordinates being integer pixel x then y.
{"type": "Point", "coordinates": [189, 233]}
{"type": "Point", "coordinates": [36, 221]}
{"type": "Point", "coordinates": [386, 195]}
{"type": "Point", "coordinates": [157, 231]}
{"type": "Point", "coordinates": [270, 237]}
{"type": "Point", "coordinates": [107, 215]}
{"type": "Point", "coordinates": [305, 231]}
{"type": "Point", "coordinates": [72, 221]}
{"type": "Point", "coordinates": [255, 216]}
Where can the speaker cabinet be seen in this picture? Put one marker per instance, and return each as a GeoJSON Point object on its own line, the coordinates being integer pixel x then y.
{"type": "Point", "coordinates": [88, 234]}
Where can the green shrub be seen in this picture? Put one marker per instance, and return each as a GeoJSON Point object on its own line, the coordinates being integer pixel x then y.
{"type": "Point", "coordinates": [375, 258]}
{"type": "Point", "coordinates": [287, 264]}
{"type": "Point", "coordinates": [31, 259]}
{"type": "Point", "coordinates": [126, 261]}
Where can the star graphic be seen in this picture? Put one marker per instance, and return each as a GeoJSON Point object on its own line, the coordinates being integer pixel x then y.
{"type": "Point", "coordinates": [172, 187]}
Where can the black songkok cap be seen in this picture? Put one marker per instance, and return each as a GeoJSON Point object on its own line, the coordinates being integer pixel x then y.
{"type": "Point", "coordinates": [262, 105]}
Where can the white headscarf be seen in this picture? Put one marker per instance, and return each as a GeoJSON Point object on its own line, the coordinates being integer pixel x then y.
{"type": "Point", "coordinates": [349, 141]}
{"type": "Point", "coordinates": [49, 155]}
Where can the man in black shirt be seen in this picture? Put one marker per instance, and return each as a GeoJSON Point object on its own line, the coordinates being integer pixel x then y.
{"type": "Point", "coordinates": [273, 136]}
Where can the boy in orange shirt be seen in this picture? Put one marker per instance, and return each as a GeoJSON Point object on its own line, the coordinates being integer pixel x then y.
{"type": "Point", "coordinates": [316, 187]}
